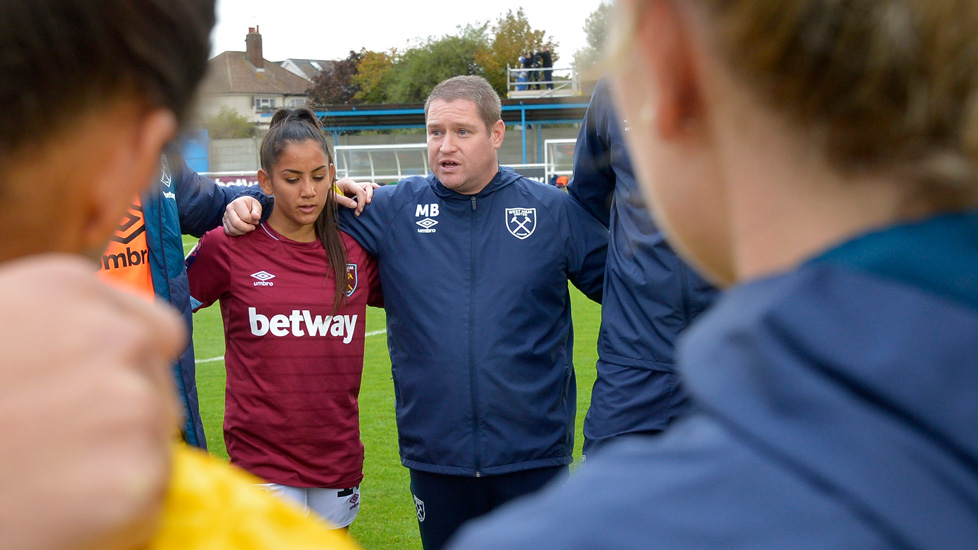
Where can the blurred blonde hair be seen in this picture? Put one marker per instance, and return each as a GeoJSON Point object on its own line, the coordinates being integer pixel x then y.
{"type": "Point", "coordinates": [883, 86]}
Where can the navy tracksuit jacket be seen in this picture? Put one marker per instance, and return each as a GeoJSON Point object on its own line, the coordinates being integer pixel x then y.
{"type": "Point", "coordinates": [835, 409]}
{"type": "Point", "coordinates": [479, 318]}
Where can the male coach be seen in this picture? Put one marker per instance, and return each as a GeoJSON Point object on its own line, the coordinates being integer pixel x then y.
{"type": "Point", "coordinates": [474, 261]}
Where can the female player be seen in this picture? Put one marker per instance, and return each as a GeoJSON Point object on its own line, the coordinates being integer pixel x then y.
{"type": "Point", "coordinates": [819, 158]}
{"type": "Point", "coordinates": [293, 296]}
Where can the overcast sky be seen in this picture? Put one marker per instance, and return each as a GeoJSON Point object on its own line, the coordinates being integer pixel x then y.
{"type": "Point", "coordinates": [320, 29]}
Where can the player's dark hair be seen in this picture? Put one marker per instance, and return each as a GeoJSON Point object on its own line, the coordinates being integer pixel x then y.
{"type": "Point", "coordinates": [472, 88]}
{"type": "Point", "coordinates": [297, 126]}
{"type": "Point", "coordinates": [63, 58]}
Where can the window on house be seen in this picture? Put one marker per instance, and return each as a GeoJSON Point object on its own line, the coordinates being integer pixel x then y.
{"type": "Point", "coordinates": [264, 103]}
{"type": "Point", "coordinates": [297, 102]}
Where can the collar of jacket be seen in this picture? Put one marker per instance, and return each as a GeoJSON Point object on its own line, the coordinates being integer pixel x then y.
{"type": "Point", "coordinates": [504, 177]}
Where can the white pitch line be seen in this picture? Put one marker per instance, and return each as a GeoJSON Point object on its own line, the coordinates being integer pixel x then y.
{"type": "Point", "coordinates": [221, 358]}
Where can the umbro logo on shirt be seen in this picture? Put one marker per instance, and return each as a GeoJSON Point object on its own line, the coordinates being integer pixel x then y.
{"type": "Point", "coordinates": [427, 225]}
{"type": "Point", "coordinates": [264, 278]}
{"type": "Point", "coordinates": [428, 211]}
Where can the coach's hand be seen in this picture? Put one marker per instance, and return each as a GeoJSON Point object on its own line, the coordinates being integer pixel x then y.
{"type": "Point", "coordinates": [242, 216]}
{"type": "Point", "coordinates": [88, 415]}
{"type": "Point", "coordinates": [356, 194]}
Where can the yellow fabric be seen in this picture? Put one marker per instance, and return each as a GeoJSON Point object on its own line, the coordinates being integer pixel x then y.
{"type": "Point", "coordinates": [213, 506]}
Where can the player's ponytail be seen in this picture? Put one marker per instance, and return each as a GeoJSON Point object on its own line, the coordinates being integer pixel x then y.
{"type": "Point", "coordinates": [297, 126]}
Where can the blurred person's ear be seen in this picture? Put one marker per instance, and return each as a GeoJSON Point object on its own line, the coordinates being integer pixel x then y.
{"type": "Point", "coordinates": [677, 104]}
{"type": "Point", "coordinates": [132, 164]}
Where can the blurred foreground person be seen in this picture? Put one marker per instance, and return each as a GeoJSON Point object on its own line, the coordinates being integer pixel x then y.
{"type": "Point", "coordinates": [94, 90]}
{"type": "Point", "coordinates": [818, 159]}
{"type": "Point", "coordinates": [650, 295]}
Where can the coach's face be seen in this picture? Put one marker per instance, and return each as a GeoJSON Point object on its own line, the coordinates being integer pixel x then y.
{"type": "Point", "coordinates": [462, 152]}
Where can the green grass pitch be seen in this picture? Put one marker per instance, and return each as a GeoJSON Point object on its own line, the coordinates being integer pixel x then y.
{"type": "Point", "coordinates": [387, 516]}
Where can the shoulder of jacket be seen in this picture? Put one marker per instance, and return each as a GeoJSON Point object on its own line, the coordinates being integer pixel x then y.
{"type": "Point", "coordinates": [550, 202]}
{"type": "Point", "coordinates": [546, 194]}
{"type": "Point", "coordinates": [407, 188]}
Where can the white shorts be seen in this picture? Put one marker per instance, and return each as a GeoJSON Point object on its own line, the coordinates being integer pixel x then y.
{"type": "Point", "coordinates": [337, 506]}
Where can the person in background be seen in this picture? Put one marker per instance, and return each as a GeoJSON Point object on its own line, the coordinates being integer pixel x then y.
{"type": "Point", "coordinates": [521, 76]}
{"type": "Point", "coordinates": [836, 197]}
{"type": "Point", "coordinates": [291, 416]}
{"type": "Point", "coordinates": [530, 65]}
{"type": "Point", "coordinates": [547, 64]}
{"type": "Point", "coordinates": [650, 294]}
{"type": "Point", "coordinates": [89, 459]}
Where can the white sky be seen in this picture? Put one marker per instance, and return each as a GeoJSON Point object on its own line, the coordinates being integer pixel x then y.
{"type": "Point", "coordinates": [321, 29]}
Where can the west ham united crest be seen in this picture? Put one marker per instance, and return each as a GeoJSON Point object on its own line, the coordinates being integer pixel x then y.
{"type": "Point", "coordinates": [351, 278]}
{"type": "Point", "coordinates": [521, 221]}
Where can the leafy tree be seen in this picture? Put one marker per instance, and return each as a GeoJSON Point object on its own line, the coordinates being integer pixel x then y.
{"type": "Point", "coordinates": [408, 76]}
{"type": "Point", "coordinates": [375, 75]}
{"type": "Point", "coordinates": [228, 123]}
{"type": "Point", "coordinates": [421, 69]}
{"type": "Point", "coordinates": [596, 30]}
{"type": "Point", "coordinates": [512, 36]}
{"type": "Point", "coordinates": [335, 85]}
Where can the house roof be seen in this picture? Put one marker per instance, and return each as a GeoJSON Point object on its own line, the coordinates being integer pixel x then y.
{"type": "Point", "coordinates": [309, 67]}
{"type": "Point", "coordinates": [232, 73]}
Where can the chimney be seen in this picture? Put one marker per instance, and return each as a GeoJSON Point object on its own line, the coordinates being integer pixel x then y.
{"type": "Point", "coordinates": [253, 47]}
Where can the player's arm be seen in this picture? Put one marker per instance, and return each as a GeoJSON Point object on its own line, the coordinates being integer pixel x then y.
{"type": "Point", "coordinates": [593, 183]}
{"type": "Point", "coordinates": [375, 297]}
{"type": "Point", "coordinates": [201, 203]}
{"type": "Point", "coordinates": [587, 249]}
{"type": "Point", "coordinates": [209, 269]}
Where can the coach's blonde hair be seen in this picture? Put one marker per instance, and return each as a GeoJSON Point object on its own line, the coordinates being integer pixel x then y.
{"type": "Point", "coordinates": [883, 86]}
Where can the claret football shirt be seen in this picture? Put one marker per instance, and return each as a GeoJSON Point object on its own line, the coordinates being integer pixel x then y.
{"type": "Point", "coordinates": [293, 363]}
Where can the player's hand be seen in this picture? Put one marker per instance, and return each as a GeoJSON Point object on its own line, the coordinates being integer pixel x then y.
{"type": "Point", "coordinates": [88, 413]}
{"type": "Point", "coordinates": [242, 216]}
{"type": "Point", "coordinates": [356, 195]}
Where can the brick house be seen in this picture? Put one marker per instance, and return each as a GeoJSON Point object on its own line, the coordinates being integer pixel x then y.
{"type": "Point", "coordinates": [250, 84]}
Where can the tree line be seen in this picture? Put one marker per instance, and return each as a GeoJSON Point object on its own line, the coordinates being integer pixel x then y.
{"type": "Point", "coordinates": [406, 76]}
{"type": "Point", "coordinates": [396, 76]}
